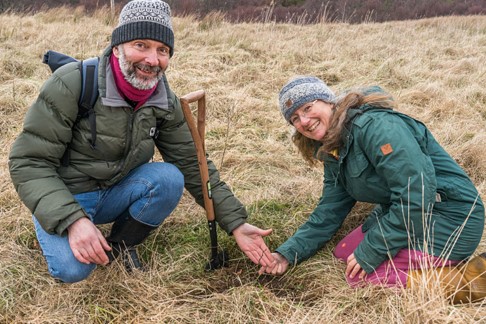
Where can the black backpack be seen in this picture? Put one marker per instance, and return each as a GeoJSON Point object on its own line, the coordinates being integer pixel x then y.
{"type": "Point", "coordinates": [89, 90]}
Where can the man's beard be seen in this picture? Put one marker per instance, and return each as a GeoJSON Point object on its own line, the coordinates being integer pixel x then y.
{"type": "Point", "coordinates": [129, 72]}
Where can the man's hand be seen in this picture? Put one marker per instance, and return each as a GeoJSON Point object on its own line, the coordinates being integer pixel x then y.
{"type": "Point", "coordinates": [87, 242]}
{"type": "Point", "coordinates": [250, 240]}
{"type": "Point", "coordinates": [353, 268]}
{"type": "Point", "coordinates": [279, 267]}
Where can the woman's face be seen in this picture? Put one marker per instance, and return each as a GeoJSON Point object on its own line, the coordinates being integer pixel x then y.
{"type": "Point", "coordinates": [312, 119]}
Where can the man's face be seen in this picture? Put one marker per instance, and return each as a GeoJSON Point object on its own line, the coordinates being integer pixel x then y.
{"type": "Point", "coordinates": [143, 62]}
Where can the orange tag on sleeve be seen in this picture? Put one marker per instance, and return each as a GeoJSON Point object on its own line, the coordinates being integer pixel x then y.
{"type": "Point", "coordinates": [386, 149]}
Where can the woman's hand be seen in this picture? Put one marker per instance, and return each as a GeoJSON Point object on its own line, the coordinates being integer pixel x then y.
{"type": "Point", "coordinates": [353, 268]}
{"type": "Point", "coordinates": [278, 267]}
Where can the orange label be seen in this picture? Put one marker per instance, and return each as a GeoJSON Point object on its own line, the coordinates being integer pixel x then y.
{"type": "Point", "coordinates": [386, 149]}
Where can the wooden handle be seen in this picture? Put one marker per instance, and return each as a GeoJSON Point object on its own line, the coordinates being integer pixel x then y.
{"type": "Point", "coordinates": [197, 133]}
{"type": "Point", "coordinates": [193, 96]}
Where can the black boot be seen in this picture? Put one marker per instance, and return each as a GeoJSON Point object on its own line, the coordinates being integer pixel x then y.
{"type": "Point", "coordinates": [126, 234]}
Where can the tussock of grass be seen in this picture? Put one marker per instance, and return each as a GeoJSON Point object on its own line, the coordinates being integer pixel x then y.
{"type": "Point", "coordinates": [433, 67]}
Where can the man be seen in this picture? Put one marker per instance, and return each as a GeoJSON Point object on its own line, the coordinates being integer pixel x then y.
{"type": "Point", "coordinates": [109, 178]}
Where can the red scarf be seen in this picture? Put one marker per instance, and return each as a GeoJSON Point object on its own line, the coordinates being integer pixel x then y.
{"type": "Point", "coordinates": [126, 89]}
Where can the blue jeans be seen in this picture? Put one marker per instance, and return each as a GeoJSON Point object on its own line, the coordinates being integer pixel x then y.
{"type": "Point", "coordinates": [150, 193]}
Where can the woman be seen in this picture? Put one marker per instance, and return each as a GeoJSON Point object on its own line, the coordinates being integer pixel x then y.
{"type": "Point", "coordinates": [428, 213]}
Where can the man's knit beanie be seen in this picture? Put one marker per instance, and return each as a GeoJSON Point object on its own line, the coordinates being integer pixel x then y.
{"type": "Point", "coordinates": [301, 90]}
{"type": "Point", "coordinates": [144, 19]}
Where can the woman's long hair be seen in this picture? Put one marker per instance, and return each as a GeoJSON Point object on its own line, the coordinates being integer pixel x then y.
{"type": "Point", "coordinates": [333, 139]}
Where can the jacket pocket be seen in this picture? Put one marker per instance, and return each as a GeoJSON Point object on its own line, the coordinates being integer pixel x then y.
{"type": "Point", "coordinates": [357, 165]}
{"type": "Point", "coordinates": [449, 191]}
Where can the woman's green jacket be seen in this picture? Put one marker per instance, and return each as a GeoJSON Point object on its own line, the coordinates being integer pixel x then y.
{"type": "Point", "coordinates": [427, 201]}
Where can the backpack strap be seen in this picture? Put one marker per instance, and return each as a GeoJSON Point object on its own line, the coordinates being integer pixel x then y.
{"type": "Point", "coordinates": [89, 94]}
{"type": "Point", "coordinates": [89, 91]}
{"type": "Point", "coordinates": [86, 102]}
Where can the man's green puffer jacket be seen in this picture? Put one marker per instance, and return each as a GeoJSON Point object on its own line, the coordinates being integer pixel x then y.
{"type": "Point", "coordinates": [124, 141]}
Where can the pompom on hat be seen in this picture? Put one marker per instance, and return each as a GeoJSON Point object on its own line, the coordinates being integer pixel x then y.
{"type": "Point", "coordinates": [301, 90]}
{"type": "Point", "coordinates": [144, 19]}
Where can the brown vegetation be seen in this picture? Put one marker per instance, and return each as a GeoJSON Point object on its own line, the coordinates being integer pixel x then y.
{"type": "Point", "coordinates": [291, 11]}
{"type": "Point", "coordinates": [434, 68]}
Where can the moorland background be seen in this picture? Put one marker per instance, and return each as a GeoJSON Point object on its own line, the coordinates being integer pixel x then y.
{"type": "Point", "coordinates": [295, 11]}
{"type": "Point", "coordinates": [433, 67]}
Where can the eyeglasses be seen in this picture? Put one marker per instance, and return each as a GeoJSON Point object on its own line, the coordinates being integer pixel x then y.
{"type": "Point", "coordinates": [296, 119]}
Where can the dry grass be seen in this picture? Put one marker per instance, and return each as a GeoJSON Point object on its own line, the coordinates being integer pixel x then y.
{"type": "Point", "coordinates": [434, 67]}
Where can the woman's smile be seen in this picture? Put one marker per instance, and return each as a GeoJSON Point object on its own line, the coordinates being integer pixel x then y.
{"type": "Point", "coordinates": [313, 119]}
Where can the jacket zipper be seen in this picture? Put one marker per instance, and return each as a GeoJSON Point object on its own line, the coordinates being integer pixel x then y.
{"type": "Point", "coordinates": [128, 142]}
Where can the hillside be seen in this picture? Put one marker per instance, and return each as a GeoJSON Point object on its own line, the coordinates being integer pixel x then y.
{"type": "Point", "coordinates": [433, 67]}
{"type": "Point", "coordinates": [294, 11]}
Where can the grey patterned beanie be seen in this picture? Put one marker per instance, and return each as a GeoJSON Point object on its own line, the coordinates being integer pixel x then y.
{"type": "Point", "coordinates": [144, 19]}
{"type": "Point", "coordinates": [301, 90]}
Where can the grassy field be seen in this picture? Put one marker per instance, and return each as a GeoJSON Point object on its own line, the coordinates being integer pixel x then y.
{"type": "Point", "coordinates": [436, 70]}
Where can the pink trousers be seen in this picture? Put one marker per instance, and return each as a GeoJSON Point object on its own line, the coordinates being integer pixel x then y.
{"type": "Point", "coordinates": [391, 273]}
